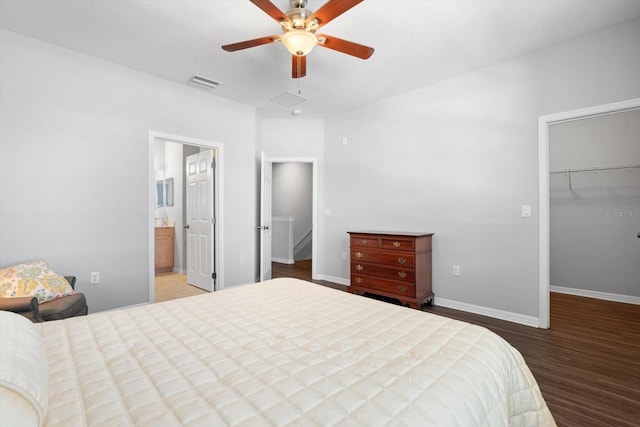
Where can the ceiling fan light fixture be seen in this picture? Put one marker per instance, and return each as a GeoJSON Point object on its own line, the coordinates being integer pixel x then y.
{"type": "Point", "coordinates": [299, 42]}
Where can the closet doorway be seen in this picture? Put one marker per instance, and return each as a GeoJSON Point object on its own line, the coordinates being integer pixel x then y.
{"type": "Point", "coordinates": [182, 168]}
{"type": "Point", "coordinates": [590, 203]}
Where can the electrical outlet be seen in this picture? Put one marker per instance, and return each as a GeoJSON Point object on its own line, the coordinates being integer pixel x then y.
{"type": "Point", "coordinates": [344, 256]}
{"type": "Point", "coordinates": [243, 260]}
{"type": "Point", "coordinates": [456, 270]}
{"type": "Point", "coordinates": [95, 278]}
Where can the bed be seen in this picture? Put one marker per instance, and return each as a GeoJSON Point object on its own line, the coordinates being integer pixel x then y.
{"type": "Point", "coordinates": [284, 352]}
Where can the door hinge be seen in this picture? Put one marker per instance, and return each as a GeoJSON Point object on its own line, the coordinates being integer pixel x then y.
{"type": "Point", "coordinates": [213, 220]}
{"type": "Point", "coordinates": [214, 275]}
{"type": "Point", "coordinates": [213, 164]}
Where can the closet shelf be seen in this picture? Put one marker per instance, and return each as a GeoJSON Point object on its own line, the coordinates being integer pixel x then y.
{"type": "Point", "coordinates": [568, 172]}
{"type": "Point", "coordinates": [596, 169]}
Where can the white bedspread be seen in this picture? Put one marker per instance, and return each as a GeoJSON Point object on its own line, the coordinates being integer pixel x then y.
{"type": "Point", "coordinates": [283, 352]}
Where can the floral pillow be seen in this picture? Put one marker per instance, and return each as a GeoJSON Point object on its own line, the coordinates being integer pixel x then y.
{"type": "Point", "coordinates": [33, 278]}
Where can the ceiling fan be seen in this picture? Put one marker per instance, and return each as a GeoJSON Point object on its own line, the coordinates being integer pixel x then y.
{"type": "Point", "coordinates": [300, 26]}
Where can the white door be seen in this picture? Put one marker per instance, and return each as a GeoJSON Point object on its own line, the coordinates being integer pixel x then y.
{"type": "Point", "coordinates": [200, 220]}
{"type": "Point", "coordinates": [265, 218]}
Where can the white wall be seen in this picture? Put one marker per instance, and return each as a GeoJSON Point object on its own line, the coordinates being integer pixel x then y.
{"type": "Point", "coordinates": [459, 158]}
{"type": "Point", "coordinates": [74, 165]}
{"type": "Point", "coordinates": [595, 218]}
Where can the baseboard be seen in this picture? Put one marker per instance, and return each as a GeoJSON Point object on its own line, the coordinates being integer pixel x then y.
{"type": "Point", "coordinates": [629, 299]}
{"type": "Point", "coordinates": [332, 279]}
{"type": "Point", "coordinates": [484, 311]}
{"type": "Point", "coordinates": [283, 260]}
{"type": "Point", "coordinates": [120, 308]}
{"type": "Point", "coordinates": [490, 312]}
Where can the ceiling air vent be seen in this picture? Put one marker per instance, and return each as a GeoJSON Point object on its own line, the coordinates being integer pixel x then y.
{"type": "Point", "coordinates": [204, 82]}
{"type": "Point", "coordinates": [288, 99]}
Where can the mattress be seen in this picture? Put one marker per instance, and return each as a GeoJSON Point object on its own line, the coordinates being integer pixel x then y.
{"type": "Point", "coordinates": [283, 353]}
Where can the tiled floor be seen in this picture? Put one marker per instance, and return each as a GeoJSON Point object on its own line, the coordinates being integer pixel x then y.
{"type": "Point", "coordinates": [173, 285]}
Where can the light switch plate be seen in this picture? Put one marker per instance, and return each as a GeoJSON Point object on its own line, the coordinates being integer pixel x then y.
{"type": "Point", "coordinates": [526, 211]}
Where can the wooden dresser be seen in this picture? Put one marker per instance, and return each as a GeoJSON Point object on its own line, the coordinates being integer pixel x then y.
{"type": "Point", "coordinates": [164, 249]}
{"type": "Point", "coordinates": [392, 264]}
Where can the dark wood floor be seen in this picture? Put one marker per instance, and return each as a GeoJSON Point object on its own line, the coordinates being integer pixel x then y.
{"type": "Point", "coordinates": [587, 364]}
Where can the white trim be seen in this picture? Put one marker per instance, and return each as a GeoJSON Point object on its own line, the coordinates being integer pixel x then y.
{"type": "Point", "coordinates": [333, 279]}
{"type": "Point", "coordinates": [490, 312]}
{"type": "Point", "coordinates": [629, 299]}
{"type": "Point", "coordinates": [470, 308]}
{"type": "Point", "coordinates": [543, 186]}
{"type": "Point", "coordinates": [283, 260]}
{"type": "Point", "coordinates": [314, 206]}
{"type": "Point", "coordinates": [122, 308]}
{"type": "Point", "coordinates": [219, 204]}
{"type": "Point", "coordinates": [543, 223]}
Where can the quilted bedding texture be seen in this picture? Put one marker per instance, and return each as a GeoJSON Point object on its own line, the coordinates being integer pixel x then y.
{"type": "Point", "coordinates": [284, 353]}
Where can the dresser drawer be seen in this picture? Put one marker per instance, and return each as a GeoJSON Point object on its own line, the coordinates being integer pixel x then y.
{"type": "Point", "coordinates": [396, 244]}
{"type": "Point", "coordinates": [405, 275]}
{"type": "Point", "coordinates": [389, 286]}
{"type": "Point", "coordinates": [386, 258]}
{"type": "Point", "coordinates": [363, 241]}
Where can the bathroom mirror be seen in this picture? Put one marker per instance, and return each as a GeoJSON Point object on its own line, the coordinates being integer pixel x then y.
{"type": "Point", "coordinates": [169, 191]}
{"type": "Point", "coordinates": [160, 194]}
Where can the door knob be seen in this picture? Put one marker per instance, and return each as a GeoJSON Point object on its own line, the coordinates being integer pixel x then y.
{"type": "Point", "coordinates": [262, 227]}
{"type": "Point", "coordinates": [187, 226]}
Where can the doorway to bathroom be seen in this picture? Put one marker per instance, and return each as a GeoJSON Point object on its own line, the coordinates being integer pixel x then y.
{"type": "Point", "coordinates": [185, 219]}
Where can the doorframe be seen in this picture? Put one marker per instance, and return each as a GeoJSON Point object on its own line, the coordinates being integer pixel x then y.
{"type": "Point", "coordinates": [314, 204]}
{"type": "Point", "coordinates": [543, 187]}
{"type": "Point", "coordinates": [218, 227]}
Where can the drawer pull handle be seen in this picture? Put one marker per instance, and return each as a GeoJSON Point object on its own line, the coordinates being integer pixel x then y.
{"type": "Point", "coordinates": [402, 274]}
{"type": "Point", "coordinates": [364, 242]}
{"type": "Point", "coordinates": [396, 244]}
{"type": "Point", "coordinates": [358, 254]}
{"type": "Point", "coordinates": [359, 267]}
{"type": "Point", "coordinates": [402, 260]}
{"type": "Point", "coordinates": [358, 279]}
{"type": "Point", "coordinates": [402, 289]}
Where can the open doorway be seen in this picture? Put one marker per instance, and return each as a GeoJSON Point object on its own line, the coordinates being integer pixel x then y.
{"type": "Point", "coordinates": [292, 219]}
{"type": "Point", "coordinates": [185, 218]}
{"type": "Point", "coordinates": [594, 206]}
{"type": "Point", "coordinates": [288, 224]}
{"type": "Point", "coordinates": [544, 125]}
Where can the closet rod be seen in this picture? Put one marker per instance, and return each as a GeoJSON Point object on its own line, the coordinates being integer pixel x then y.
{"type": "Point", "coordinates": [596, 169]}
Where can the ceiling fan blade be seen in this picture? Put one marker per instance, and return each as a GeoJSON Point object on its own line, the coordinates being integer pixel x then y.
{"type": "Point", "coordinates": [270, 9]}
{"type": "Point", "coordinates": [298, 66]}
{"type": "Point", "coordinates": [251, 43]}
{"type": "Point", "coordinates": [330, 10]}
{"type": "Point", "coordinates": [345, 46]}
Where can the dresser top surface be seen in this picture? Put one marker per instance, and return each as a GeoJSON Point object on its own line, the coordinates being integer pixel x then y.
{"type": "Point", "coordinates": [392, 233]}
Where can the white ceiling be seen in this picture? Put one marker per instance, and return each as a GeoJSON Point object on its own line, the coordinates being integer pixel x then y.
{"type": "Point", "coordinates": [416, 42]}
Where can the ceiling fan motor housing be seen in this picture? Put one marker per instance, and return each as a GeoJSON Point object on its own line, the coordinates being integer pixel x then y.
{"type": "Point", "coordinates": [299, 4]}
{"type": "Point", "coordinates": [297, 18]}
